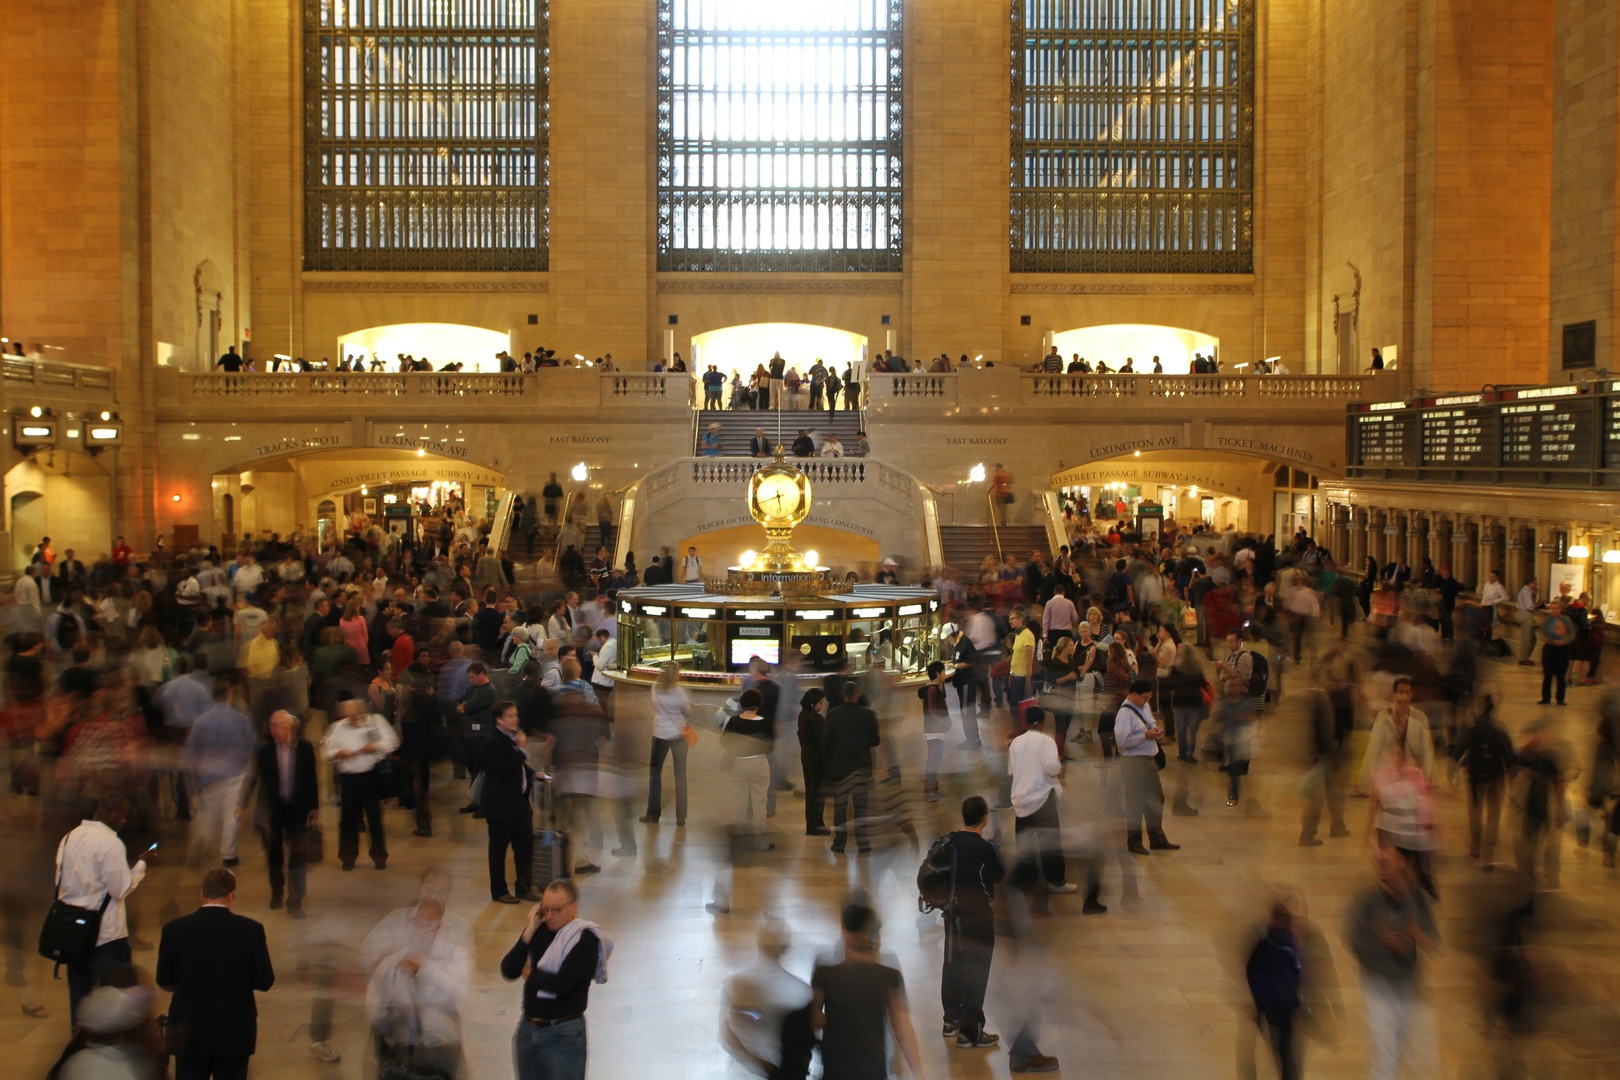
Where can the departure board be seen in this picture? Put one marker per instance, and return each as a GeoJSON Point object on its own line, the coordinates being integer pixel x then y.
{"type": "Point", "coordinates": [1547, 434]}
{"type": "Point", "coordinates": [1381, 440]}
{"type": "Point", "coordinates": [1611, 433]}
{"type": "Point", "coordinates": [1458, 438]}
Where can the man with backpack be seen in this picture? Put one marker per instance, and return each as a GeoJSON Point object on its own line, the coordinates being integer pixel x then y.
{"type": "Point", "coordinates": [1486, 753]}
{"type": "Point", "coordinates": [1275, 973]}
{"type": "Point", "coordinates": [1244, 674]}
{"type": "Point", "coordinates": [959, 877]}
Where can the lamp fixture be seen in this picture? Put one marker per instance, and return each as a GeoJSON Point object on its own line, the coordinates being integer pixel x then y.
{"type": "Point", "coordinates": [1612, 556]}
{"type": "Point", "coordinates": [1579, 551]}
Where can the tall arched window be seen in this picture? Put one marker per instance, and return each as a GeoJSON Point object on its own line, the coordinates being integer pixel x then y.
{"type": "Point", "coordinates": [779, 134]}
{"type": "Point", "coordinates": [1133, 135]}
{"type": "Point", "coordinates": [425, 134]}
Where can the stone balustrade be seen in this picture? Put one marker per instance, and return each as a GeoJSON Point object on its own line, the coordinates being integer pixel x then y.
{"type": "Point", "coordinates": [1009, 388]}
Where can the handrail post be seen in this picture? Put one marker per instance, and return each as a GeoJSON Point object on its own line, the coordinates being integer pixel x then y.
{"type": "Point", "coordinates": [995, 530]}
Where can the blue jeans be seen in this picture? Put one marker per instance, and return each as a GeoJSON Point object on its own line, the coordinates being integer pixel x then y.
{"type": "Point", "coordinates": [1188, 719]}
{"type": "Point", "coordinates": [549, 1053]}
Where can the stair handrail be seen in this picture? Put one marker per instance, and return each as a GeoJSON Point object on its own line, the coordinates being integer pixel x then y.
{"type": "Point", "coordinates": [943, 491]}
{"type": "Point", "coordinates": [1056, 534]}
{"type": "Point", "coordinates": [500, 529]}
{"type": "Point", "coordinates": [995, 530]}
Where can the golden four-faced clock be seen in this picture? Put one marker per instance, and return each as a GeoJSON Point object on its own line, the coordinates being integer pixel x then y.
{"type": "Point", "coordinates": [779, 496]}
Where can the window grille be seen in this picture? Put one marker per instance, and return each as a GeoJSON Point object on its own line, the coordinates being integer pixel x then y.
{"type": "Point", "coordinates": [1133, 135]}
{"type": "Point", "coordinates": [425, 134]}
{"type": "Point", "coordinates": [779, 134]}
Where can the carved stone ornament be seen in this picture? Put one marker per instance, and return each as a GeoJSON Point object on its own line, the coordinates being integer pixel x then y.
{"type": "Point", "coordinates": [1116, 288]}
{"type": "Point", "coordinates": [425, 287]}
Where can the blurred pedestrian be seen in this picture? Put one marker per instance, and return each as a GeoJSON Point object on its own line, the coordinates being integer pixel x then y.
{"type": "Point", "coordinates": [1032, 761]}
{"type": "Point", "coordinates": [419, 961]}
{"type": "Point", "coordinates": [765, 1012]}
{"type": "Point", "coordinates": [219, 752]}
{"type": "Point", "coordinates": [1276, 973]}
{"type": "Point", "coordinates": [289, 805]}
{"type": "Point", "coordinates": [1388, 929]}
{"type": "Point", "coordinates": [846, 752]}
{"type": "Point", "coordinates": [1543, 810]}
{"type": "Point", "coordinates": [1486, 754]}
{"type": "Point", "coordinates": [859, 1003]}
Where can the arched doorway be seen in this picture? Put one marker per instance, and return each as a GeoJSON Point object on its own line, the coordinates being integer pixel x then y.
{"type": "Point", "coordinates": [1114, 342]}
{"type": "Point", "coordinates": [62, 494]}
{"type": "Point", "coordinates": [440, 343]}
{"type": "Point", "coordinates": [743, 348]}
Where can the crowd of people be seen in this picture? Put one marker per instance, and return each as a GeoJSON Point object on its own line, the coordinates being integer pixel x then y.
{"type": "Point", "coordinates": [212, 699]}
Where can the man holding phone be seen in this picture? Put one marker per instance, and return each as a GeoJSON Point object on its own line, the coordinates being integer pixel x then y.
{"type": "Point", "coordinates": [92, 869]}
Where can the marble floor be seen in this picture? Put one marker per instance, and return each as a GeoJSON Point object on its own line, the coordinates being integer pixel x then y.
{"type": "Point", "coordinates": [1152, 989]}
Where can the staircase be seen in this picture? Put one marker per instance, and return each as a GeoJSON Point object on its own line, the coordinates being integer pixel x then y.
{"type": "Point", "coordinates": [965, 546]}
{"type": "Point", "coordinates": [545, 540]}
{"type": "Point", "coordinates": [737, 427]}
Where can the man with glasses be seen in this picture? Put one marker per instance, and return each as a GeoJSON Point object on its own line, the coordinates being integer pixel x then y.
{"type": "Point", "coordinates": [564, 954]}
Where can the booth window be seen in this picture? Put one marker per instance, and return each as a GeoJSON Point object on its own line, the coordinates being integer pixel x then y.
{"type": "Point", "coordinates": [1133, 136]}
{"type": "Point", "coordinates": [425, 135]}
{"type": "Point", "coordinates": [779, 135]}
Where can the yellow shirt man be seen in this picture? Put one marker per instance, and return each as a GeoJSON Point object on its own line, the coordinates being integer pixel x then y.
{"type": "Point", "coordinates": [1023, 653]}
{"type": "Point", "coordinates": [263, 656]}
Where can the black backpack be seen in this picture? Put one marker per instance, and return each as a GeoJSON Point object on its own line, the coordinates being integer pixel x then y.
{"type": "Point", "coordinates": [936, 884]}
{"type": "Point", "coordinates": [1259, 676]}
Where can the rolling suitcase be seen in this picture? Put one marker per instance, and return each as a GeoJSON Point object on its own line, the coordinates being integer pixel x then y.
{"type": "Point", "coordinates": [553, 857]}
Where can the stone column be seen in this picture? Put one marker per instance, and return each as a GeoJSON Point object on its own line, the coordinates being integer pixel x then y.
{"type": "Point", "coordinates": [1543, 535]}
{"type": "Point", "coordinates": [1463, 548]}
{"type": "Point", "coordinates": [1485, 558]}
{"type": "Point", "coordinates": [1356, 539]}
{"type": "Point", "coordinates": [1513, 556]}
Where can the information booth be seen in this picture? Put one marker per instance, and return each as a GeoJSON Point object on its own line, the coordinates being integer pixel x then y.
{"type": "Point", "coordinates": [712, 636]}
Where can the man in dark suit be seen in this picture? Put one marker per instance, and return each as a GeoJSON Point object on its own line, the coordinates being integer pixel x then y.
{"type": "Point", "coordinates": [289, 799]}
{"type": "Point", "coordinates": [212, 961]}
{"type": "Point", "coordinates": [505, 801]}
{"type": "Point", "coordinates": [846, 761]}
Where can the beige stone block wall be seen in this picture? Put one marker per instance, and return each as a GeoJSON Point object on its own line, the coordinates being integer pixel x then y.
{"type": "Point", "coordinates": [194, 94]}
{"type": "Point", "coordinates": [957, 90]}
{"type": "Point", "coordinates": [275, 200]}
{"type": "Point", "coordinates": [602, 187]}
{"type": "Point", "coordinates": [1483, 193]}
{"type": "Point", "coordinates": [62, 178]}
{"type": "Point", "coordinates": [1586, 113]}
{"type": "Point", "coordinates": [1358, 115]}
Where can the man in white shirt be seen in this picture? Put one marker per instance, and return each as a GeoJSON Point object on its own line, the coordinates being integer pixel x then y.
{"type": "Point", "coordinates": [26, 593]}
{"type": "Point", "coordinates": [1137, 734]}
{"type": "Point", "coordinates": [1527, 622]}
{"type": "Point", "coordinates": [249, 576]}
{"type": "Point", "coordinates": [1032, 760]}
{"type": "Point", "coordinates": [357, 744]}
{"type": "Point", "coordinates": [607, 656]}
{"type": "Point", "coordinates": [692, 567]}
{"type": "Point", "coordinates": [1058, 616]}
{"type": "Point", "coordinates": [93, 868]}
{"type": "Point", "coordinates": [1492, 594]}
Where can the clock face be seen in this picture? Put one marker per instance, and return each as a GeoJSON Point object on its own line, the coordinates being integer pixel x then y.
{"type": "Point", "coordinates": [777, 496]}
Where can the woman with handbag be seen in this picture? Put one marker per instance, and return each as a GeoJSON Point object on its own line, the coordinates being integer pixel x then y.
{"type": "Point", "coordinates": [672, 734]}
{"type": "Point", "coordinates": [421, 960]}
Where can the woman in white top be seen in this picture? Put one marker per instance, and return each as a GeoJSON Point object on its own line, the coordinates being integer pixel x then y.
{"type": "Point", "coordinates": [420, 961]}
{"type": "Point", "coordinates": [832, 447]}
{"type": "Point", "coordinates": [671, 715]}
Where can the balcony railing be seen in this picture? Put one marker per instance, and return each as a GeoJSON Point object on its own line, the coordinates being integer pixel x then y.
{"type": "Point", "coordinates": [1006, 388]}
{"type": "Point", "coordinates": [546, 389]}
{"type": "Point", "coordinates": [20, 372]}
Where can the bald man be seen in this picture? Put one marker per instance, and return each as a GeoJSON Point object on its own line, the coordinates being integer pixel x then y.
{"type": "Point", "coordinates": [289, 800]}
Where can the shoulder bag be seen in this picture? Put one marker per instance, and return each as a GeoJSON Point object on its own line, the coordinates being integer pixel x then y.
{"type": "Point", "coordinates": [69, 934]}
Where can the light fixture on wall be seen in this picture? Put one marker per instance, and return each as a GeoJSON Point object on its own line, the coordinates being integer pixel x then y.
{"type": "Point", "coordinates": [1579, 551]}
{"type": "Point", "coordinates": [175, 497]}
{"type": "Point", "coordinates": [1612, 556]}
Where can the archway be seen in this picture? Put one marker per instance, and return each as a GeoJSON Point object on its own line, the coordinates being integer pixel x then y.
{"type": "Point", "coordinates": [743, 348]}
{"type": "Point", "coordinates": [441, 343]}
{"type": "Point", "coordinates": [1114, 342]}
{"type": "Point", "coordinates": [326, 491]}
{"type": "Point", "coordinates": [62, 494]}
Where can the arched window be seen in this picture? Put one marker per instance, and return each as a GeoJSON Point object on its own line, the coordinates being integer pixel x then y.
{"type": "Point", "coordinates": [425, 140]}
{"type": "Point", "coordinates": [1133, 135]}
{"type": "Point", "coordinates": [779, 135]}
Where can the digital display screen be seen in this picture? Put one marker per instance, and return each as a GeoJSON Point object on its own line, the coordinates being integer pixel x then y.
{"type": "Point", "coordinates": [1381, 440]}
{"type": "Point", "coordinates": [745, 649]}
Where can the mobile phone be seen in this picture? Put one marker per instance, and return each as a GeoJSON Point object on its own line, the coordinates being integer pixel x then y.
{"type": "Point", "coordinates": [153, 848]}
